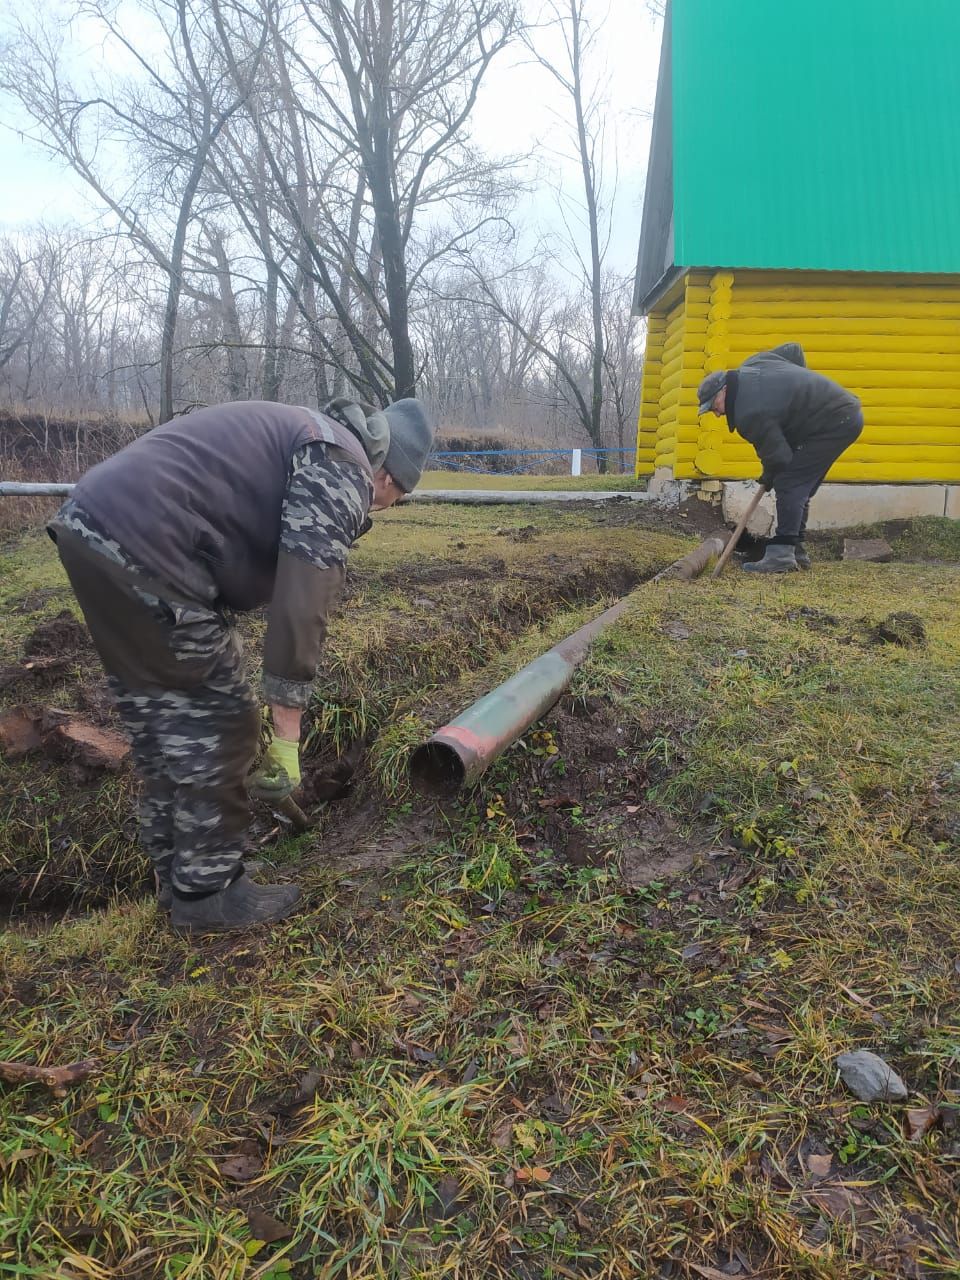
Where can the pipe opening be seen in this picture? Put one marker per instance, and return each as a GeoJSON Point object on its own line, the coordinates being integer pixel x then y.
{"type": "Point", "coordinates": [437, 770]}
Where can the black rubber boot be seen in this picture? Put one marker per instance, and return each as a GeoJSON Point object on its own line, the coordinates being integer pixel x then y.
{"type": "Point", "coordinates": [165, 888]}
{"type": "Point", "coordinates": [803, 556]}
{"type": "Point", "coordinates": [777, 558]}
{"type": "Point", "coordinates": [241, 905]}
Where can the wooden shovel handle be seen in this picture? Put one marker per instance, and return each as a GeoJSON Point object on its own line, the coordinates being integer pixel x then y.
{"type": "Point", "coordinates": [291, 810]}
{"type": "Point", "coordinates": [735, 536]}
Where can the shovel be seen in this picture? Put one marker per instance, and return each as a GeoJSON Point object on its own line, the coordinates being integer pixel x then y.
{"type": "Point", "coordinates": [293, 813]}
{"type": "Point", "coordinates": [738, 531]}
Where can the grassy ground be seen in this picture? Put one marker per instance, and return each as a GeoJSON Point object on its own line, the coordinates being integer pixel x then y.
{"type": "Point", "coordinates": [473, 480]}
{"type": "Point", "coordinates": [582, 1023]}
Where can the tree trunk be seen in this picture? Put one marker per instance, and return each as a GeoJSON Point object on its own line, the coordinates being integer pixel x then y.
{"type": "Point", "coordinates": [175, 279]}
{"type": "Point", "coordinates": [590, 193]}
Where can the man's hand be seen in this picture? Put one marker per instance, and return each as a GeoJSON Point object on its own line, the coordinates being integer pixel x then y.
{"type": "Point", "coordinates": [279, 773]}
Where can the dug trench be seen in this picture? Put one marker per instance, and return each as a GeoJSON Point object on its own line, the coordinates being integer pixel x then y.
{"type": "Point", "coordinates": [406, 633]}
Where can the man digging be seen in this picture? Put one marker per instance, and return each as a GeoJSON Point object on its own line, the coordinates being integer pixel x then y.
{"type": "Point", "coordinates": [799, 422]}
{"type": "Point", "coordinates": [227, 509]}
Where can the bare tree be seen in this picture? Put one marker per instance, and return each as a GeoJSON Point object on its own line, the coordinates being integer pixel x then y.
{"type": "Point", "coordinates": [379, 107]}
{"type": "Point", "coordinates": [168, 118]}
{"type": "Point", "coordinates": [568, 19]}
{"type": "Point", "coordinates": [20, 306]}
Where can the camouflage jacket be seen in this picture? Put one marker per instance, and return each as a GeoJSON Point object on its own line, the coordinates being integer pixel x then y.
{"type": "Point", "coordinates": [234, 507]}
{"type": "Point", "coordinates": [325, 509]}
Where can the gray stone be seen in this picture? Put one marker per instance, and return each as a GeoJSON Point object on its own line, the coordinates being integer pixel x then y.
{"type": "Point", "coordinates": [875, 550]}
{"type": "Point", "coordinates": [870, 1078]}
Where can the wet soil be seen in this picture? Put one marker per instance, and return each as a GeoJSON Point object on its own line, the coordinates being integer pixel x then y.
{"type": "Point", "coordinates": [58, 637]}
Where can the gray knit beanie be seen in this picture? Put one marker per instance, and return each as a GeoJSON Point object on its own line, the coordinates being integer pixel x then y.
{"type": "Point", "coordinates": [411, 439]}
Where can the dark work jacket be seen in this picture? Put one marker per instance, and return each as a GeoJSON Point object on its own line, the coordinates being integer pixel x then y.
{"type": "Point", "coordinates": [198, 500]}
{"type": "Point", "coordinates": [781, 404]}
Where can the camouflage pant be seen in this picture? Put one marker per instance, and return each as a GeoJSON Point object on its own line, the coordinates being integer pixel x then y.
{"type": "Point", "coordinates": [176, 675]}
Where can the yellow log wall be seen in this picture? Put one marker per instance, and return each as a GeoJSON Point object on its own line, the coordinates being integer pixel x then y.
{"type": "Point", "coordinates": [892, 341]}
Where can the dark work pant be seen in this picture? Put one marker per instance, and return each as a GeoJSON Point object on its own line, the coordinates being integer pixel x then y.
{"type": "Point", "coordinates": [798, 482]}
{"type": "Point", "coordinates": [177, 679]}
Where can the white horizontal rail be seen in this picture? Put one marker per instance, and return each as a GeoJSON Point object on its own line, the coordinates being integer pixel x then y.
{"type": "Point", "coordinates": [16, 489]}
{"type": "Point", "coordinates": [481, 497]}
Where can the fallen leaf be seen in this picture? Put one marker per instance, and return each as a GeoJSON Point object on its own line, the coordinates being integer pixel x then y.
{"type": "Point", "coordinates": [448, 1193]}
{"type": "Point", "coordinates": [709, 1273]}
{"type": "Point", "coordinates": [241, 1168]}
{"type": "Point", "coordinates": [16, 1157]}
{"type": "Point", "coordinates": [308, 1086]}
{"type": "Point", "coordinates": [416, 1052]}
{"type": "Point", "coordinates": [634, 808]}
{"type": "Point", "coordinates": [836, 1202]}
{"type": "Point", "coordinates": [263, 1227]}
{"type": "Point", "coordinates": [558, 802]}
{"type": "Point", "coordinates": [864, 1004]}
{"type": "Point", "coordinates": [692, 950]}
{"type": "Point", "coordinates": [819, 1166]}
{"type": "Point", "coordinates": [356, 1050]}
{"type": "Point", "coordinates": [536, 1173]}
{"type": "Point", "coordinates": [502, 1134]}
{"type": "Point", "coordinates": [583, 1222]}
{"type": "Point", "coordinates": [920, 1120]}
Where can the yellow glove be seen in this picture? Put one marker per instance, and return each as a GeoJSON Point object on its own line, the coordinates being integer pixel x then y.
{"type": "Point", "coordinates": [279, 772]}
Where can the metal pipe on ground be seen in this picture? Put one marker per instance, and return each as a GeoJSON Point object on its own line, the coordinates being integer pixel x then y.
{"type": "Point", "coordinates": [458, 754]}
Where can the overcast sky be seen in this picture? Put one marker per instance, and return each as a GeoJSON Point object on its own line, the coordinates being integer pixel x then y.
{"type": "Point", "coordinates": [517, 112]}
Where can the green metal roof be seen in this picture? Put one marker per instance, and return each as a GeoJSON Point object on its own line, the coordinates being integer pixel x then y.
{"type": "Point", "coordinates": [815, 135]}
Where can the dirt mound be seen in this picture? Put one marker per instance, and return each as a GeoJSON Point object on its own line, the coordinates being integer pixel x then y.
{"type": "Point", "coordinates": [57, 637]}
{"type": "Point", "coordinates": [904, 629]}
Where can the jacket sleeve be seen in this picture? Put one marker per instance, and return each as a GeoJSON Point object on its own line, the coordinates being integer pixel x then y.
{"type": "Point", "coordinates": [324, 511]}
{"type": "Point", "coordinates": [760, 430]}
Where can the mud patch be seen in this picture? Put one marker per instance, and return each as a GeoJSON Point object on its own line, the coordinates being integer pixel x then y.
{"type": "Point", "coordinates": [418, 574]}
{"type": "Point", "coordinates": [814, 619]}
{"type": "Point", "coordinates": [654, 849]}
{"type": "Point", "coordinates": [583, 791]}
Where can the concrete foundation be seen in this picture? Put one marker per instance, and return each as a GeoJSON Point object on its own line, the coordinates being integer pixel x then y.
{"type": "Point", "coordinates": [665, 490]}
{"type": "Point", "coordinates": [842, 506]}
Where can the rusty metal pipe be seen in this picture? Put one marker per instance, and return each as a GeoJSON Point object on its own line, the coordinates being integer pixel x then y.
{"type": "Point", "coordinates": [457, 754]}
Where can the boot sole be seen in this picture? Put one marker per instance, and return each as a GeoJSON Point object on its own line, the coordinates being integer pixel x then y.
{"type": "Point", "coordinates": [747, 568]}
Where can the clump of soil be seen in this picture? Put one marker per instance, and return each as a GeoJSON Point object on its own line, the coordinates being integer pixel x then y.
{"type": "Point", "coordinates": [51, 652]}
{"type": "Point", "coordinates": [523, 533]}
{"type": "Point", "coordinates": [57, 637]}
{"type": "Point", "coordinates": [904, 629]}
